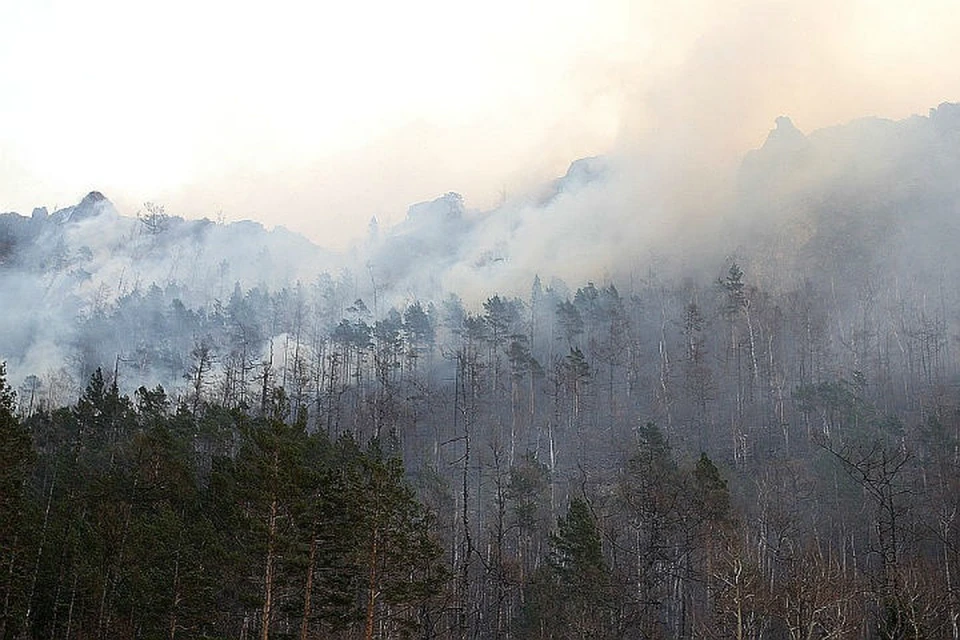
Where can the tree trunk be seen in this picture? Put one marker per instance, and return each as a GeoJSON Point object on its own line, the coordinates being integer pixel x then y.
{"type": "Point", "coordinates": [6, 595]}
{"type": "Point", "coordinates": [371, 590]}
{"type": "Point", "coordinates": [176, 587]}
{"type": "Point", "coordinates": [268, 570]}
{"type": "Point", "coordinates": [308, 591]}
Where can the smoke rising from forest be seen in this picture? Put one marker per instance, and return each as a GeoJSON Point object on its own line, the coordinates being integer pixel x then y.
{"type": "Point", "coordinates": [664, 350]}
{"type": "Point", "coordinates": [669, 200]}
{"type": "Point", "coordinates": [873, 196]}
{"type": "Point", "coordinates": [670, 189]}
{"type": "Point", "coordinates": [557, 81]}
{"type": "Point", "coordinates": [802, 337]}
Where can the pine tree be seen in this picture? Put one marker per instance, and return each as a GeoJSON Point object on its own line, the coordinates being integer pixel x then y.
{"type": "Point", "coordinates": [16, 460]}
{"type": "Point", "coordinates": [572, 596]}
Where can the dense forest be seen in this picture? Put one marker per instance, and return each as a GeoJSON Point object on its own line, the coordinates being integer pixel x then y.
{"type": "Point", "coordinates": [680, 462]}
{"type": "Point", "coordinates": [764, 444]}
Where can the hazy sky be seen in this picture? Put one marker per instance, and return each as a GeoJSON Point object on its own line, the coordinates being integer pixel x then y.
{"type": "Point", "coordinates": [317, 115]}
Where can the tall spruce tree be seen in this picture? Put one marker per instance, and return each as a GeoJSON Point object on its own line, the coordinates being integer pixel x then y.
{"type": "Point", "coordinates": [16, 458]}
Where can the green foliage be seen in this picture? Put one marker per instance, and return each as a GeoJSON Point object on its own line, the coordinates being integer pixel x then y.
{"type": "Point", "coordinates": [16, 512]}
{"type": "Point", "coordinates": [16, 456]}
{"type": "Point", "coordinates": [577, 555]}
{"type": "Point", "coordinates": [529, 482]}
{"type": "Point", "coordinates": [576, 366]}
{"type": "Point", "coordinates": [733, 286]}
{"type": "Point", "coordinates": [712, 494]}
{"type": "Point", "coordinates": [843, 414]}
{"type": "Point", "coordinates": [135, 521]}
{"type": "Point", "coordinates": [570, 321]}
{"type": "Point", "coordinates": [572, 596]}
{"type": "Point", "coordinates": [418, 326]}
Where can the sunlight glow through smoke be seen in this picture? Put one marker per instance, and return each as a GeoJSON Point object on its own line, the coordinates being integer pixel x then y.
{"type": "Point", "coordinates": [319, 115]}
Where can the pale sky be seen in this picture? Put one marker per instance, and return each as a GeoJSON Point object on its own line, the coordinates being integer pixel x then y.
{"type": "Point", "coordinates": [318, 115]}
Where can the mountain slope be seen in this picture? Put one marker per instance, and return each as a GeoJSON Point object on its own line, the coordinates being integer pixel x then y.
{"type": "Point", "coordinates": [871, 207]}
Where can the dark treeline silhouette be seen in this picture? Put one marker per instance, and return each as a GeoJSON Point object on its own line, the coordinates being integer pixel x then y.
{"type": "Point", "coordinates": [709, 460]}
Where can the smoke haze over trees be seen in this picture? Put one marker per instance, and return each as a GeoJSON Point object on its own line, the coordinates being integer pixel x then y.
{"type": "Point", "coordinates": [618, 406]}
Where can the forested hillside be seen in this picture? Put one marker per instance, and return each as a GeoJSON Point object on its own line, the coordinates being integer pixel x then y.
{"type": "Point", "coordinates": [755, 439]}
